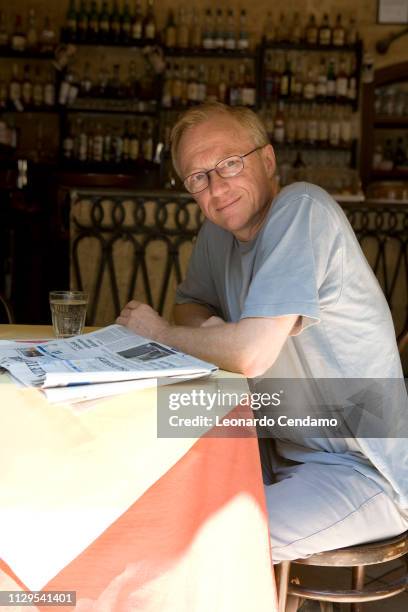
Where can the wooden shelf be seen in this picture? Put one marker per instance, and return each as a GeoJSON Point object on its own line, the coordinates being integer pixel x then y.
{"type": "Point", "coordinates": [30, 54]}
{"type": "Point", "coordinates": [389, 175]}
{"type": "Point", "coordinates": [138, 43]}
{"type": "Point", "coordinates": [305, 47]}
{"type": "Point", "coordinates": [214, 53]}
{"type": "Point", "coordinates": [390, 121]}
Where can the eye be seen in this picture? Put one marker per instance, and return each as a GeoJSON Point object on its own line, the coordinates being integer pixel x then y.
{"type": "Point", "coordinates": [230, 163]}
{"type": "Point", "coordinates": [196, 179]}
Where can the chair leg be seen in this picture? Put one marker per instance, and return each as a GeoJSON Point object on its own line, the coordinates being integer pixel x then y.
{"type": "Point", "coordinates": [358, 575]}
{"type": "Point", "coordinates": [283, 582]}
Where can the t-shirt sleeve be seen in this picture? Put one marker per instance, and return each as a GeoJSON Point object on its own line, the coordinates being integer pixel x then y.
{"type": "Point", "coordinates": [198, 286]}
{"type": "Point", "coordinates": [299, 263]}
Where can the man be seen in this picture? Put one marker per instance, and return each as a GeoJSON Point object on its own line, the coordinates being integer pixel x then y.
{"type": "Point", "coordinates": [277, 284]}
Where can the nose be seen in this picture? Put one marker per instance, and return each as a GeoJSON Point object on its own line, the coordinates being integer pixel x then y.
{"type": "Point", "coordinates": [217, 185]}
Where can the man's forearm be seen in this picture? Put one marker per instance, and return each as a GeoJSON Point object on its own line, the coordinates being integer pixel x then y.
{"type": "Point", "coordinates": [193, 315]}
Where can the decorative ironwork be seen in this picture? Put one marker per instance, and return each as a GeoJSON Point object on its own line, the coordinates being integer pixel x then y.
{"type": "Point", "coordinates": [143, 220]}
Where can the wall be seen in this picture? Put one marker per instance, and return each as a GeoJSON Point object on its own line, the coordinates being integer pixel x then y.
{"type": "Point", "coordinates": [364, 11]}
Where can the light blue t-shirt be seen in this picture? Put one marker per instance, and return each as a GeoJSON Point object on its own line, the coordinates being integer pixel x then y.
{"type": "Point", "coordinates": [306, 260]}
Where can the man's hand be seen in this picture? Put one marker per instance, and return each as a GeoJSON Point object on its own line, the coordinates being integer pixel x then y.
{"type": "Point", "coordinates": [143, 320]}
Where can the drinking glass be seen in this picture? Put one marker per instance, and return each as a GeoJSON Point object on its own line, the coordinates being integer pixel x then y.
{"type": "Point", "coordinates": [68, 311]}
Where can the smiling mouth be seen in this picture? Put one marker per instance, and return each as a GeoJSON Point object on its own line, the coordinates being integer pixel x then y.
{"type": "Point", "coordinates": [224, 206]}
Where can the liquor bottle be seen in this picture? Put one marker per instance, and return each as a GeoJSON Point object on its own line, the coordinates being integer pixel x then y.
{"type": "Point", "coordinates": [38, 88]}
{"type": "Point", "coordinates": [184, 85]}
{"type": "Point", "coordinates": [400, 156]}
{"type": "Point", "coordinates": [149, 25]}
{"type": "Point", "coordinates": [82, 143]}
{"type": "Point", "coordinates": [311, 34]}
{"type": "Point", "coordinates": [167, 91]}
{"type": "Point", "coordinates": [243, 39]}
{"type": "Point", "coordinates": [126, 23]}
{"type": "Point", "coordinates": [208, 32]}
{"type": "Point", "coordinates": [334, 129]}
{"type": "Point", "coordinates": [3, 95]}
{"type": "Point", "coordinates": [27, 87]}
{"type": "Point", "coordinates": [222, 85]}
{"type": "Point", "coordinates": [269, 28]}
{"type": "Point", "coordinates": [268, 78]}
{"type": "Point", "coordinates": [117, 146]}
{"type": "Point", "coordinates": [240, 84]}
{"type": "Point", "coordinates": [192, 85]}
{"type": "Point", "coordinates": [325, 32]}
{"type": "Point", "coordinates": [212, 86]}
{"type": "Point", "coordinates": [323, 126]}
{"type": "Point", "coordinates": [86, 81]}
{"type": "Point", "coordinates": [97, 149]}
{"type": "Point", "coordinates": [249, 93]}
{"type": "Point", "coordinates": [48, 39]}
{"type": "Point", "coordinates": [281, 31]}
{"type": "Point", "coordinates": [146, 137]}
{"type": "Point", "coordinates": [312, 129]}
{"type": "Point", "coordinates": [352, 83]}
{"type": "Point", "coordinates": [195, 34]}
{"type": "Point", "coordinates": [345, 127]}
{"type": "Point", "coordinates": [321, 88]}
{"type": "Point", "coordinates": [15, 89]}
{"type": "Point", "coordinates": [108, 154]}
{"type": "Point", "coordinates": [176, 86]}
{"type": "Point", "coordinates": [137, 23]}
{"type": "Point", "coordinates": [277, 71]}
{"type": "Point", "coordinates": [134, 144]}
{"type": "Point", "coordinates": [18, 38]}
{"type": "Point", "coordinates": [82, 22]}
{"type": "Point", "coordinates": [295, 35]}
{"type": "Point", "coordinates": [32, 34]}
{"type": "Point", "coordinates": [279, 124]}
{"type": "Point", "coordinates": [68, 144]}
{"type": "Point", "coordinates": [114, 83]}
{"type": "Point", "coordinates": [233, 91]}
{"type": "Point", "coordinates": [49, 89]}
{"type": "Point", "coordinates": [126, 142]}
{"type": "Point", "coordinates": [341, 81]}
{"type": "Point", "coordinates": [71, 21]}
{"type": "Point", "coordinates": [182, 30]}
{"type": "Point", "coordinates": [132, 87]}
{"type": "Point", "coordinates": [352, 33]}
{"type": "Point", "coordinates": [4, 37]}
{"type": "Point", "coordinates": [309, 88]}
{"type": "Point", "coordinates": [286, 80]}
{"type": "Point", "coordinates": [104, 25]}
{"type": "Point", "coordinates": [73, 88]}
{"type": "Point", "coordinates": [103, 78]}
{"type": "Point", "coordinates": [219, 39]}
{"type": "Point", "coordinates": [290, 127]}
{"type": "Point", "coordinates": [331, 80]}
{"type": "Point", "coordinates": [339, 34]}
{"type": "Point", "coordinates": [230, 41]}
{"type": "Point", "coordinates": [93, 22]}
{"type": "Point", "coordinates": [202, 84]}
{"type": "Point", "coordinates": [114, 24]}
{"type": "Point", "coordinates": [297, 79]}
{"type": "Point", "coordinates": [170, 37]}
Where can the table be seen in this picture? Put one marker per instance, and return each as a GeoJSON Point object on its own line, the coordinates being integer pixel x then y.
{"type": "Point", "coordinates": [94, 502]}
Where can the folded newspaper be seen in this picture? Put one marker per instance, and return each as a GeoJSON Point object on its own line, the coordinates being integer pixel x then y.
{"type": "Point", "coordinates": [105, 362]}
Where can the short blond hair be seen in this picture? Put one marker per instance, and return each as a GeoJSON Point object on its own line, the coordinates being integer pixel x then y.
{"type": "Point", "coordinates": [205, 112]}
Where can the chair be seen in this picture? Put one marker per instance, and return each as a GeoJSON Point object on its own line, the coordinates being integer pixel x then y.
{"type": "Point", "coordinates": [6, 311]}
{"type": "Point", "coordinates": [356, 557]}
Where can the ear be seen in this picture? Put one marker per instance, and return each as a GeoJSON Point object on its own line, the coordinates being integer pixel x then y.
{"type": "Point", "coordinates": [268, 156]}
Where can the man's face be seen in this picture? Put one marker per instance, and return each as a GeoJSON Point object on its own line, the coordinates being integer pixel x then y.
{"type": "Point", "coordinates": [239, 203]}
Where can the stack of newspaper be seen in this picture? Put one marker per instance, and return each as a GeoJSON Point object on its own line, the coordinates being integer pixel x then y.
{"type": "Point", "coordinates": [106, 362]}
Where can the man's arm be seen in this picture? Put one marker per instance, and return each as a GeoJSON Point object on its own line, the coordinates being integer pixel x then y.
{"type": "Point", "coordinates": [250, 346]}
{"type": "Point", "coordinates": [191, 314]}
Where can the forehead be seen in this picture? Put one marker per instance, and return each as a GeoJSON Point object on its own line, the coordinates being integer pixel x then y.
{"type": "Point", "coordinates": [203, 145]}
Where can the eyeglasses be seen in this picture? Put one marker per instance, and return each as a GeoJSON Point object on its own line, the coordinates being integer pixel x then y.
{"type": "Point", "coordinates": [230, 166]}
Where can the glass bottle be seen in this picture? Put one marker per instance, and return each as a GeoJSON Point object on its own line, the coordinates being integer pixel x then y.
{"type": "Point", "coordinates": [149, 25]}
{"type": "Point", "coordinates": [243, 39]}
{"type": "Point", "coordinates": [137, 23]}
{"type": "Point", "coordinates": [296, 29]}
{"type": "Point", "coordinates": [219, 39]}
{"type": "Point", "coordinates": [325, 32]}
{"type": "Point", "coordinates": [222, 85]}
{"type": "Point", "coordinates": [27, 87]}
{"type": "Point", "coordinates": [230, 41]}
{"type": "Point", "coordinates": [170, 32]}
{"type": "Point", "coordinates": [93, 22]}
{"type": "Point", "coordinates": [48, 39]}
{"type": "Point", "coordinates": [146, 138]}
{"type": "Point", "coordinates": [341, 81]}
{"type": "Point", "coordinates": [38, 88]}
{"type": "Point", "coordinates": [82, 22]}
{"type": "Point", "coordinates": [49, 89]}
{"type": "Point", "coordinates": [311, 34]}
{"type": "Point", "coordinates": [104, 26]}
{"type": "Point", "coordinates": [192, 85]}
{"type": "Point", "coordinates": [286, 80]}
{"type": "Point", "coordinates": [15, 88]}
{"type": "Point", "coordinates": [114, 25]}
{"type": "Point", "coordinates": [4, 37]}
{"type": "Point", "coordinates": [32, 34]}
{"type": "Point", "coordinates": [339, 33]}
{"type": "Point", "coordinates": [182, 30]}
{"type": "Point", "coordinates": [86, 81]}
{"type": "Point", "coordinates": [269, 28]}
{"type": "Point", "coordinates": [279, 124]}
{"type": "Point", "coordinates": [331, 80]}
{"type": "Point", "coordinates": [208, 32]}
{"type": "Point", "coordinates": [195, 38]}
{"type": "Point", "coordinates": [18, 38]}
{"type": "Point", "coordinates": [126, 23]}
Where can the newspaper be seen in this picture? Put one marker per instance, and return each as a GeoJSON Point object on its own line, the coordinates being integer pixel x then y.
{"type": "Point", "coordinates": [104, 362]}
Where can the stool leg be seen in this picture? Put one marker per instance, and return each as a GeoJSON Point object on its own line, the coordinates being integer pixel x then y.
{"type": "Point", "coordinates": [358, 575]}
{"type": "Point", "coordinates": [283, 581]}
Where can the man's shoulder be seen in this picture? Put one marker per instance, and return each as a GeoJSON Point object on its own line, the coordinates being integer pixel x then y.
{"type": "Point", "coordinates": [309, 193]}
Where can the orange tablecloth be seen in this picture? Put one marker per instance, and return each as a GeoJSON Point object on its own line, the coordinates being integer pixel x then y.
{"type": "Point", "coordinates": [187, 531]}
